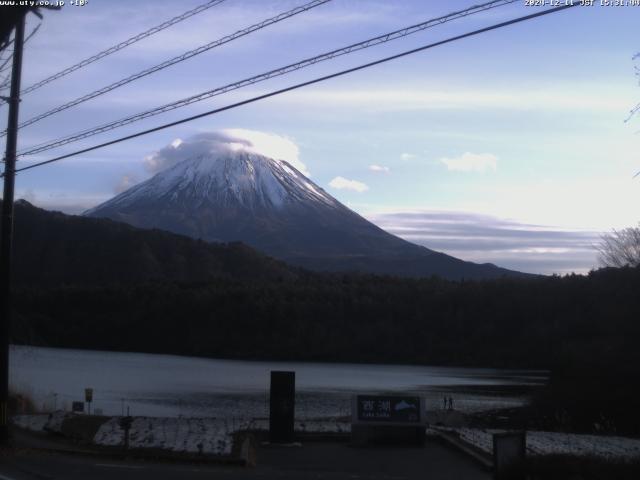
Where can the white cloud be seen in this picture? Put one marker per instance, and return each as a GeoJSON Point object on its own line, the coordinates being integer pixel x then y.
{"type": "Point", "coordinates": [471, 162]}
{"type": "Point", "coordinates": [564, 97]}
{"type": "Point", "coordinates": [598, 203]}
{"type": "Point", "coordinates": [225, 141]}
{"type": "Point", "coordinates": [28, 195]}
{"type": "Point", "coordinates": [486, 238]}
{"type": "Point", "coordinates": [407, 156]}
{"type": "Point", "coordinates": [342, 183]}
{"type": "Point", "coordinates": [126, 182]}
{"type": "Point", "coordinates": [379, 169]}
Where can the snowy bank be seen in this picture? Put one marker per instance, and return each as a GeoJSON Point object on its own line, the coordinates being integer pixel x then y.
{"type": "Point", "coordinates": [203, 436]}
{"type": "Point", "coordinates": [555, 443]}
{"type": "Point", "coordinates": [42, 422]}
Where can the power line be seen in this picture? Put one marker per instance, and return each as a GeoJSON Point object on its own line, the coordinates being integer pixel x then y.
{"type": "Point", "coordinates": [5, 63]}
{"type": "Point", "coordinates": [4, 66]}
{"type": "Point", "coordinates": [175, 60]}
{"type": "Point", "coordinates": [33, 32]}
{"type": "Point", "coordinates": [4, 83]}
{"type": "Point", "coordinates": [266, 76]}
{"type": "Point", "coordinates": [6, 44]}
{"type": "Point", "coordinates": [300, 85]}
{"type": "Point", "coordinates": [121, 45]}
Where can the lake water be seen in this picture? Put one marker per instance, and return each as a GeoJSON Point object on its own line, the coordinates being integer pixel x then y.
{"type": "Point", "coordinates": [167, 385]}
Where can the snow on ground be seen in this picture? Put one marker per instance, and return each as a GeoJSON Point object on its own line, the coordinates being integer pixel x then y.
{"type": "Point", "coordinates": [194, 435]}
{"type": "Point", "coordinates": [207, 435]}
{"type": "Point", "coordinates": [214, 436]}
{"type": "Point", "coordinates": [35, 423]}
{"type": "Point", "coordinates": [51, 422]}
{"type": "Point", "coordinates": [556, 443]}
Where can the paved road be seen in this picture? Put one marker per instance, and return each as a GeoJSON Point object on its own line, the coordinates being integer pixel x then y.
{"type": "Point", "coordinates": [314, 460]}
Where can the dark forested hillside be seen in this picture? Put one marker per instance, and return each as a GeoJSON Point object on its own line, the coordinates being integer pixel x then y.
{"type": "Point", "coordinates": [52, 248]}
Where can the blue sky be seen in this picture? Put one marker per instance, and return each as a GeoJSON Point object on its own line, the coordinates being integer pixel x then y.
{"type": "Point", "coordinates": [509, 147]}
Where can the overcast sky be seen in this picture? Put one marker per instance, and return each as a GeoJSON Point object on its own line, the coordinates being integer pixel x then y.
{"type": "Point", "coordinates": [509, 147]}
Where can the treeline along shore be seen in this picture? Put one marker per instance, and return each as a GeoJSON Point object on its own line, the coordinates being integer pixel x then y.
{"type": "Point", "coordinates": [543, 322]}
{"type": "Point", "coordinates": [584, 329]}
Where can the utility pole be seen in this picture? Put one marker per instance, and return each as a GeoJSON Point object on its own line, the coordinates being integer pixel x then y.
{"type": "Point", "coordinates": [6, 234]}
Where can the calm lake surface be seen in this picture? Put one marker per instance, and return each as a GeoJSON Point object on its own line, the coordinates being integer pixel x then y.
{"type": "Point", "coordinates": [167, 385]}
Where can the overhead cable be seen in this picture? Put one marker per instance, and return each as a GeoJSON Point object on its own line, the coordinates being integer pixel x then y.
{"type": "Point", "coordinates": [266, 76]}
{"type": "Point", "coordinates": [300, 85]}
{"type": "Point", "coordinates": [121, 45]}
{"type": "Point", "coordinates": [175, 60]}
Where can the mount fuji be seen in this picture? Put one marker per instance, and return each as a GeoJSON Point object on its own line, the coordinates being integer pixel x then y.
{"type": "Point", "coordinates": [271, 206]}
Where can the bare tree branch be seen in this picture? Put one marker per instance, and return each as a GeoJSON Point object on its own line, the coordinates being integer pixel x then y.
{"type": "Point", "coordinates": [620, 248]}
{"type": "Point", "coordinates": [635, 109]}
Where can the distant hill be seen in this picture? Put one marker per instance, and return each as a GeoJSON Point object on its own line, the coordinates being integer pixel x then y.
{"type": "Point", "coordinates": [274, 208]}
{"type": "Point", "coordinates": [52, 248]}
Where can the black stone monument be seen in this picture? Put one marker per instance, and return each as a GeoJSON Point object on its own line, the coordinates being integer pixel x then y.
{"type": "Point", "coordinates": [509, 455]}
{"type": "Point", "coordinates": [282, 407]}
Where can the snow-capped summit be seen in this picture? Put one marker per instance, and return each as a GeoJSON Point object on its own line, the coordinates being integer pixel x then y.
{"type": "Point", "coordinates": [239, 195]}
{"type": "Point", "coordinates": [234, 180]}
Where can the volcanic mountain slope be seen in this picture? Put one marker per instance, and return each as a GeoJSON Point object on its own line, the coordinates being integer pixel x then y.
{"type": "Point", "coordinates": [271, 206]}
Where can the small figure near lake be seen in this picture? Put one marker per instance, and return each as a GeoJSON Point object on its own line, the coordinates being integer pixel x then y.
{"type": "Point", "coordinates": [447, 403]}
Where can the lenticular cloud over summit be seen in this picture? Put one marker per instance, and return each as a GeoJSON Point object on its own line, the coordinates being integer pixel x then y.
{"type": "Point", "coordinates": [225, 141]}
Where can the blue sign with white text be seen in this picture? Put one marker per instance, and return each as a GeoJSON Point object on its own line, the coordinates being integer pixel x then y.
{"type": "Point", "coordinates": [381, 408]}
